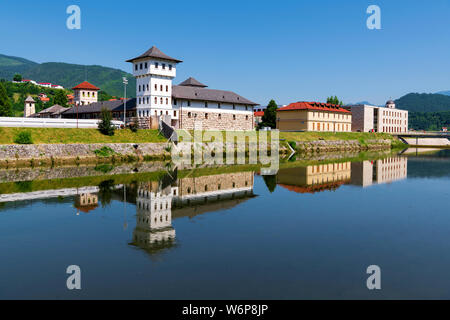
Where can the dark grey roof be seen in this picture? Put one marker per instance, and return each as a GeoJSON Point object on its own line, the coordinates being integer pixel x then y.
{"type": "Point", "coordinates": [154, 52]}
{"type": "Point", "coordinates": [390, 102]}
{"type": "Point", "coordinates": [202, 94]}
{"type": "Point", "coordinates": [55, 109]}
{"type": "Point", "coordinates": [29, 99]}
{"type": "Point", "coordinates": [191, 82]}
{"type": "Point", "coordinates": [113, 106]}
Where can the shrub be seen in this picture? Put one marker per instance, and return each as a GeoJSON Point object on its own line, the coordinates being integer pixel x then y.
{"type": "Point", "coordinates": [23, 137]}
{"type": "Point", "coordinates": [133, 127]}
{"type": "Point", "coordinates": [104, 152]}
{"type": "Point", "coordinates": [105, 126]}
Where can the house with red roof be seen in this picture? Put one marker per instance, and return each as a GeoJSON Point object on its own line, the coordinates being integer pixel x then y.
{"type": "Point", "coordinates": [314, 116]}
{"type": "Point", "coordinates": [85, 93]}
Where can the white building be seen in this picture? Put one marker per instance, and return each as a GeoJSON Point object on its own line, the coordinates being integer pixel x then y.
{"type": "Point", "coordinates": [85, 93]}
{"type": "Point", "coordinates": [188, 103]}
{"type": "Point", "coordinates": [367, 118]}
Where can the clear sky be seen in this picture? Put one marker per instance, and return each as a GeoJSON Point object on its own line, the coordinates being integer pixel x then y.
{"type": "Point", "coordinates": [285, 50]}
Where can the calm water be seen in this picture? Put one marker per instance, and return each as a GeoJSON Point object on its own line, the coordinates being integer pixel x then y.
{"type": "Point", "coordinates": [306, 233]}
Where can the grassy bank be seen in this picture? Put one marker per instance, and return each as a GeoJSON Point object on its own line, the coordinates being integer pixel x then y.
{"type": "Point", "coordinates": [60, 135]}
{"type": "Point", "coordinates": [362, 137]}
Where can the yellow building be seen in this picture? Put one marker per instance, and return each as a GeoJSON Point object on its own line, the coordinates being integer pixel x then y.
{"type": "Point", "coordinates": [314, 116]}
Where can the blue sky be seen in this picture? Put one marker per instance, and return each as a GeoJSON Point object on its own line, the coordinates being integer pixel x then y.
{"type": "Point", "coordinates": [285, 50]}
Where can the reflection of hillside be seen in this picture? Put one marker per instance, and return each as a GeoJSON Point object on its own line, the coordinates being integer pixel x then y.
{"type": "Point", "coordinates": [315, 178]}
{"type": "Point", "coordinates": [157, 203]}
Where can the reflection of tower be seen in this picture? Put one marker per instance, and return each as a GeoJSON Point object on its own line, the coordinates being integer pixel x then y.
{"type": "Point", "coordinates": [86, 202]}
{"type": "Point", "coordinates": [154, 231]}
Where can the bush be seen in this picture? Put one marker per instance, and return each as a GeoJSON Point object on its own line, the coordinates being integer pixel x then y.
{"type": "Point", "coordinates": [105, 126]}
{"type": "Point", "coordinates": [104, 152]}
{"type": "Point", "coordinates": [133, 126]}
{"type": "Point", "coordinates": [23, 137]}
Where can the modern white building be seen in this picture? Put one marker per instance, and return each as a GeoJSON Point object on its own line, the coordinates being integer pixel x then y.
{"type": "Point", "coordinates": [187, 103]}
{"type": "Point", "coordinates": [367, 118]}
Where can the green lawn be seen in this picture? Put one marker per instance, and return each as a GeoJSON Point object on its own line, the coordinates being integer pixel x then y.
{"type": "Point", "coordinates": [59, 135]}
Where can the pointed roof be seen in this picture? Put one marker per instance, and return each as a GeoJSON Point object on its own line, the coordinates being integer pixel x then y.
{"type": "Point", "coordinates": [86, 85]}
{"type": "Point", "coordinates": [191, 82]}
{"type": "Point", "coordinates": [154, 52]}
{"type": "Point", "coordinates": [29, 99]}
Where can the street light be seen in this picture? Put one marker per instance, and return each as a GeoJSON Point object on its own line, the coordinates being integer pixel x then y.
{"type": "Point", "coordinates": [125, 82]}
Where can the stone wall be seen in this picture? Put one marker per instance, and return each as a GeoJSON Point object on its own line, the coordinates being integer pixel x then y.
{"type": "Point", "coordinates": [216, 121]}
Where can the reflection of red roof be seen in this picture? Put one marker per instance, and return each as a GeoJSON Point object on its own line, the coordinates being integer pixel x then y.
{"type": "Point", "coordinates": [86, 209]}
{"type": "Point", "coordinates": [86, 85]}
{"type": "Point", "coordinates": [314, 188]}
{"type": "Point", "coordinates": [314, 106]}
{"type": "Point", "coordinates": [259, 113]}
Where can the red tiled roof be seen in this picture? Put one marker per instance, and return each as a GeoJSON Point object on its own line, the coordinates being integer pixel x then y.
{"type": "Point", "coordinates": [44, 99]}
{"type": "Point", "coordinates": [86, 85]}
{"type": "Point", "coordinates": [303, 105]}
{"type": "Point", "coordinates": [258, 113]}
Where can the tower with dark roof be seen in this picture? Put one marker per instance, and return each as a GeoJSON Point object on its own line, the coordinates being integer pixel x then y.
{"type": "Point", "coordinates": [29, 107]}
{"type": "Point", "coordinates": [154, 72]}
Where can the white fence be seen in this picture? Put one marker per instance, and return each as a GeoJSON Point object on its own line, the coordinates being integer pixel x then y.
{"type": "Point", "coordinates": [51, 123]}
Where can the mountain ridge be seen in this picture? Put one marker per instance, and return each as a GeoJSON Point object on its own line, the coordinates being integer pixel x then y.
{"type": "Point", "coordinates": [67, 74]}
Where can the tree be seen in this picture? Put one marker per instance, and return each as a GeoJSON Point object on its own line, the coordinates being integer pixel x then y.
{"type": "Point", "coordinates": [17, 77]}
{"type": "Point", "coordinates": [270, 115]}
{"type": "Point", "coordinates": [105, 126]}
{"type": "Point", "coordinates": [271, 182]}
{"type": "Point", "coordinates": [334, 100]}
{"type": "Point", "coordinates": [5, 104]}
{"type": "Point", "coordinates": [60, 98]}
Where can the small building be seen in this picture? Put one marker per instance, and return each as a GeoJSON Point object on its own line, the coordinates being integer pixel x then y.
{"type": "Point", "coordinates": [367, 118]}
{"type": "Point", "coordinates": [85, 93]}
{"type": "Point", "coordinates": [45, 84]}
{"type": "Point", "coordinates": [257, 115]}
{"type": "Point", "coordinates": [55, 111]}
{"type": "Point", "coordinates": [93, 110]}
{"type": "Point", "coordinates": [314, 116]}
{"type": "Point", "coordinates": [30, 107]}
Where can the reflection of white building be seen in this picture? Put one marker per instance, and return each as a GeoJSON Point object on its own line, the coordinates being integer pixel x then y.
{"type": "Point", "coordinates": [387, 170]}
{"type": "Point", "coordinates": [154, 215]}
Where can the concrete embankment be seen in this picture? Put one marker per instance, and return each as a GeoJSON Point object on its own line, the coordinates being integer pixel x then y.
{"type": "Point", "coordinates": [320, 146]}
{"type": "Point", "coordinates": [428, 142]}
{"type": "Point", "coordinates": [60, 154]}
{"type": "Point", "coordinates": [63, 154]}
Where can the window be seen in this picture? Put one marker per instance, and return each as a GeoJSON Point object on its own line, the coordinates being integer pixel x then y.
{"type": "Point", "coordinates": [246, 117]}
{"type": "Point", "coordinates": [147, 87]}
{"type": "Point", "coordinates": [164, 66]}
{"type": "Point", "coordinates": [146, 65]}
{"type": "Point", "coordinates": [161, 86]}
{"type": "Point", "coordinates": [174, 113]}
{"type": "Point", "coordinates": [170, 67]}
{"type": "Point", "coordinates": [174, 102]}
{"type": "Point", "coordinates": [206, 116]}
{"type": "Point", "coordinates": [218, 105]}
{"type": "Point", "coordinates": [156, 65]}
{"type": "Point", "coordinates": [140, 66]}
{"type": "Point", "coordinates": [234, 106]}
{"type": "Point", "coordinates": [167, 100]}
{"type": "Point", "coordinates": [234, 117]}
{"type": "Point", "coordinates": [189, 115]}
{"type": "Point", "coordinates": [206, 104]}
{"type": "Point", "coordinates": [167, 88]}
{"type": "Point", "coordinates": [148, 100]}
{"type": "Point", "coordinates": [156, 87]}
{"type": "Point", "coordinates": [220, 116]}
{"type": "Point", "coordinates": [156, 100]}
{"type": "Point", "coordinates": [167, 113]}
{"type": "Point", "coordinates": [139, 88]}
{"type": "Point", "coordinates": [189, 103]}
{"type": "Point", "coordinates": [135, 67]}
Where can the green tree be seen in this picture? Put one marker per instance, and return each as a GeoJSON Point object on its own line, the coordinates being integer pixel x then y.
{"type": "Point", "coordinates": [17, 77]}
{"type": "Point", "coordinates": [270, 115]}
{"type": "Point", "coordinates": [60, 98]}
{"type": "Point", "coordinates": [334, 100]}
{"type": "Point", "coordinates": [105, 126]}
{"type": "Point", "coordinates": [5, 104]}
{"type": "Point", "coordinates": [271, 182]}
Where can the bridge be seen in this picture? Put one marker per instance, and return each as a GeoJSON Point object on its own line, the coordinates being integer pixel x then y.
{"type": "Point", "coordinates": [426, 139]}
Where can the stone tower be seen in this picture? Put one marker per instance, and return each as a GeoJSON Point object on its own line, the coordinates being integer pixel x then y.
{"type": "Point", "coordinates": [30, 107]}
{"type": "Point", "coordinates": [154, 72]}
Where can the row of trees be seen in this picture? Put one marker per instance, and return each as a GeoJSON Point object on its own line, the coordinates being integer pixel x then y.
{"type": "Point", "coordinates": [430, 121]}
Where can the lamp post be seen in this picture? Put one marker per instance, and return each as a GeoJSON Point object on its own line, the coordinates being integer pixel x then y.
{"type": "Point", "coordinates": [125, 82]}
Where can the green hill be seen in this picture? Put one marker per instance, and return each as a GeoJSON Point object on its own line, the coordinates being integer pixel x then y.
{"type": "Point", "coordinates": [67, 75]}
{"type": "Point", "coordinates": [424, 102]}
